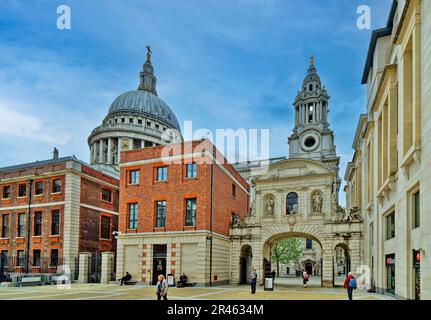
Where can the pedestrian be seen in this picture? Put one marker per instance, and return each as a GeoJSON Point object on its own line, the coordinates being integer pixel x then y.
{"type": "Point", "coordinates": [305, 278]}
{"type": "Point", "coordinates": [350, 284]}
{"type": "Point", "coordinates": [162, 288]}
{"type": "Point", "coordinates": [253, 281]}
{"type": "Point", "coordinates": [273, 275]}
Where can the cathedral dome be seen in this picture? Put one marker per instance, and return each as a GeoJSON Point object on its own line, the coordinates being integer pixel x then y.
{"type": "Point", "coordinates": [146, 104]}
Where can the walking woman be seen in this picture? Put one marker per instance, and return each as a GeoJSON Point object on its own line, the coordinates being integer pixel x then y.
{"type": "Point", "coordinates": [253, 281]}
{"type": "Point", "coordinates": [350, 284]}
{"type": "Point", "coordinates": [162, 288]}
{"type": "Point", "coordinates": [305, 278]}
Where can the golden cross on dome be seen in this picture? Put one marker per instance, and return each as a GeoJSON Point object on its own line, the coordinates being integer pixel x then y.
{"type": "Point", "coordinates": [312, 60]}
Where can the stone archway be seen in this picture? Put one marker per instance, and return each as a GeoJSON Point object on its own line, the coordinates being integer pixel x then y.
{"type": "Point", "coordinates": [245, 264]}
{"type": "Point", "coordinates": [342, 263]}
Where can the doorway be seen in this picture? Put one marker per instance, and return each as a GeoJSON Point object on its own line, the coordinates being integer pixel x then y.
{"type": "Point", "coordinates": [309, 268]}
{"type": "Point", "coordinates": [245, 264]}
{"type": "Point", "coordinates": [159, 261]}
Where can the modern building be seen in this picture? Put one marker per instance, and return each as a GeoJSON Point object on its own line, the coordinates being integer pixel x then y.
{"type": "Point", "coordinates": [389, 178]}
{"type": "Point", "coordinates": [53, 210]}
{"type": "Point", "coordinates": [136, 119]}
{"type": "Point", "coordinates": [177, 204]}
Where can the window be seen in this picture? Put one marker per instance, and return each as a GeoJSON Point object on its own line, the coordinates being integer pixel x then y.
{"type": "Point", "coordinates": [37, 231]}
{"type": "Point", "coordinates": [36, 258]}
{"type": "Point", "coordinates": [160, 214]}
{"type": "Point", "coordinates": [139, 121]}
{"type": "Point", "coordinates": [56, 186]}
{"type": "Point", "coordinates": [372, 234]}
{"type": "Point", "coordinates": [417, 211]}
{"type": "Point", "coordinates": [308, 244]}
{"type": "Point", "coordinates": [190, 212]}
{"type": "Point", "coordinates": [20, 258]}
{"type": "Point", "coordinates": [148, 124]}
{"type": "Point", "coordinates": [123, 120]}
{"type": "Point", "coordinates": [105, 227]}
{"type": "Point", "coordinates": [22, 190]}
{"type": "Point", "coordinates": [131, 120]}
{"type": "Point", "coordinates": [106, 195]}
{"type": "Point", "coordinates": [55, 223]}
{"type": "Point", "coordinates": [233, 190]}
{"type": "Point", "coordinates": [134, 177]}
{"type": "Point", "coordinates": [5, 226]}
{"type": "Point", "coordinates": [191, 170]}
{"type": "Point", "coordinates": [162, 174]}
{"type": "Point", "coordinates": [6, 192]}
{"type": "Point", "coordinates": [310, 113]}
{"type": "Point", "coordinates": [54, 257]}
{"type": "Point", "coordinates": [157, 126]}
{"type": "Point", "coordinates": [292, 203]}
{"type": "Point", "coordinates": [390, 226]}
{"type": "Point", "coordinates": [133, 215]}
{"type": "Point", "coordinates": [38, 188]}
{"type": "Point", "coordinates": [21, 225]}
{"type": "Point", "coordinates": [4, 260]}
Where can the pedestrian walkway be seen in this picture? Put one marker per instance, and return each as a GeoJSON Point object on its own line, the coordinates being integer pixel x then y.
{"type": "Point", "coordinates": [115, 292]}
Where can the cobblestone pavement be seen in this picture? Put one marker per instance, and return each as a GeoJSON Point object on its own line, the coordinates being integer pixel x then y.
{"type": "Point", "coordinates": [115, 292]}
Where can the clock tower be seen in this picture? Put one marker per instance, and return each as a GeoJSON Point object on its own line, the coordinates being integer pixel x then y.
{"type": "Point", "coordinates": [312, 138]}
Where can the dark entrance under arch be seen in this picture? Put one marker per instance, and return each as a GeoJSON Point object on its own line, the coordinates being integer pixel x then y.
{"type": "Point", "coordinates": [245, 264]}
{"type": "Point", "coordinates": [309, 268]}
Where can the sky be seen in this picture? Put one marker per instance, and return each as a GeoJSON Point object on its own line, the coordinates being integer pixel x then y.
{"type": "Point", "coordinates": [219, 63]}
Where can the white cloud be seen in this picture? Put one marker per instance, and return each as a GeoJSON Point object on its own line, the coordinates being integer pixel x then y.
{"type": "Point", "coordinates": [14, 123]}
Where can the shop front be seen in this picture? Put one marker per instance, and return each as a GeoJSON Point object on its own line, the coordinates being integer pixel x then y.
{"type": "Point", "coordinates": [417, 273]}
{"type": "Point", "coordinates": [390, 274]}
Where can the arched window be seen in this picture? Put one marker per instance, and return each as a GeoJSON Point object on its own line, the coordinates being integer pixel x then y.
{"type": "Point", "coordinates": [311, 87]}
{"type": "Point", "coordinates": [292, 203]}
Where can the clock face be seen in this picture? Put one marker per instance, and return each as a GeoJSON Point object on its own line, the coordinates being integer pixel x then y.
{"type": "Point", "coordinates": [310, 141]}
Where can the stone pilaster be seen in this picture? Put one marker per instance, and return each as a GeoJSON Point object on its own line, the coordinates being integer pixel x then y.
{"type": "Point", "coordinates": [83, 267]}
{"type": "Point", "coordinates": [107, 267]}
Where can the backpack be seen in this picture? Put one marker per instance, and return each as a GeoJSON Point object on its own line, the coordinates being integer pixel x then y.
{"type": "Point", "coordinates": [352, 283]}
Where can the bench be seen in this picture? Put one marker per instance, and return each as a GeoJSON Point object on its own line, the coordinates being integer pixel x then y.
{"type": "Point", "coordinates": [29, 281]}
{"type": "Point", "coordinates": [190, 284]}
{"type": "Point", "coordinates": [129, 283]}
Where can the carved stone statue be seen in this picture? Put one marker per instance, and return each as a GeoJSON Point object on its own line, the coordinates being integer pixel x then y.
{"type": "Point", "coordinates": [269, 206]}
{"type": "Point", "coordinates": [317, 203]}
{"type": "Point", "coordinates": [354, 215]}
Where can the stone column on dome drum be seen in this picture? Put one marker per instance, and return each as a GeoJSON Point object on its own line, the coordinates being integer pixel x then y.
{"type": "Point", "coordinates": [109, 152]}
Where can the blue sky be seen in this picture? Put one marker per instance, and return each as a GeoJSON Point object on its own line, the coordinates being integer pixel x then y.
{"type": "Point", "coordinates": [222, 64]}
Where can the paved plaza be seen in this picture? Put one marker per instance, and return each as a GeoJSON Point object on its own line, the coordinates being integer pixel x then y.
{"type": "Point", "coordinates": [116, 292]}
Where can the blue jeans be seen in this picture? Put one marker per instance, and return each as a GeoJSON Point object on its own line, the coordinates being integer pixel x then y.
{"type": "Point", "coordinates": [350, 293]}
{"type": "Point", "coordinates": [253, 287]}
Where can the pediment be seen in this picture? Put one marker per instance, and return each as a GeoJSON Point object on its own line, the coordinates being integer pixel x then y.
{"type": "Point", "coordinates": [294, 168]}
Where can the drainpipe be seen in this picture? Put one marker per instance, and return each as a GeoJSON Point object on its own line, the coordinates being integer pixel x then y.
{"type": "Point", "coordinates": [29, 225]}
{"type": "Point", "coordinates": [211, 214]}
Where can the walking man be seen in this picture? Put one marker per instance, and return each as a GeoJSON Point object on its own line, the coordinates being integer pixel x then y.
{"type": "Point", "coordinates": [350, 284]}
{"type": "Point", "coordinates": [253, 280]}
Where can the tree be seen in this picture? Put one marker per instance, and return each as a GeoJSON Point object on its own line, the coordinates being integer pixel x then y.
{"type": "Point", "coordinates": [286, 251]}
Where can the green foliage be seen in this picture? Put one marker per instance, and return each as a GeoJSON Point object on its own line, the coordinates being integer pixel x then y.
{"type": "Point", "coordinates": [287, 251]}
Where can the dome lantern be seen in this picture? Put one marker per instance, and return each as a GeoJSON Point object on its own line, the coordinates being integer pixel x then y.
{"type": "Point", "coordinates": [148, 80]}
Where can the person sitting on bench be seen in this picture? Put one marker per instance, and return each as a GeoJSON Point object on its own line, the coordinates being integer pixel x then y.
{"type": "Point", "coordinates": [183, 281]}
{"type": "Point", "coordinates": [126, 278]}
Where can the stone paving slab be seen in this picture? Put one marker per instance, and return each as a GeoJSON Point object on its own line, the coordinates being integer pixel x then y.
{"type": "Point", "coordinates": [115, 292]}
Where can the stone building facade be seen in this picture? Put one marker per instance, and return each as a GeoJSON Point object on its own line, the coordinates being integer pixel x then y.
{"type": "Point", "coordinates": [177, 204]}
{"type": "Point", "coordinates": [388, 180]}
{"type": "Point", "coordinates": [298, 197]}
{"type": "Point", "coordinates": [51, 211]}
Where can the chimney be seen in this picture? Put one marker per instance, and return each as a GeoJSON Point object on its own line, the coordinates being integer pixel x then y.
{"type": "Point", "coordinates": [55, 154]}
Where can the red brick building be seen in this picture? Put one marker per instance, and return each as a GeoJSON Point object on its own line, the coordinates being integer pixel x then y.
{"type": "Point", "coordinates": [176, 207]}
{"type": "Point", "coordinates": [70, 206]}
